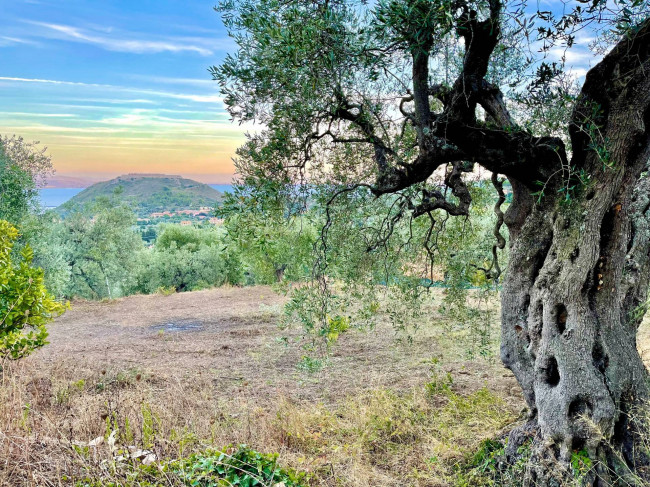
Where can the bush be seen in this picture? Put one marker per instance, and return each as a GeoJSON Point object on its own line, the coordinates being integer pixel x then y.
{"type": "Point", "coordinates": [242, 466]}
{"type": "Point", "coordinates": [25, 304]}
{"type": "Point", "coordinates": [186, 259]}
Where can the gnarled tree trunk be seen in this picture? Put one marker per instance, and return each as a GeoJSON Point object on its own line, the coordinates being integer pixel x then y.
{"type": "Point", "coordinates": [578, 278]}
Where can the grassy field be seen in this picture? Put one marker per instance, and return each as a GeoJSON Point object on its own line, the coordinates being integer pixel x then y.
{"type": "Point", "coordinates": [172, 375]}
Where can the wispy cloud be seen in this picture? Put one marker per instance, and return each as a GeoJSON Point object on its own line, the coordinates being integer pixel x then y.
{"type": "Point", "coordinates": [118, 101]}
{"type": "Point", "coordinates": [43, 115]}
{"type": "Point", "coordinates": [114, 43]}
{"type": "Point", "coordinates": [175, 81]}
{"type": "Point", "coordinates": [150, 119]}
{"type": "Point", "coordinates": [576, 57]}
{"type": "Point", "coordinates": [50, 81]}
{"type": "Point", "coordinates": [200, 98]}
{"type": "Point", "coordinates": [12, 41]}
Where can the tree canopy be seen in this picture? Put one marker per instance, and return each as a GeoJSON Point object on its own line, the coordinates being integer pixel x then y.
{"type": "Point", "coordinates": [385, 95]}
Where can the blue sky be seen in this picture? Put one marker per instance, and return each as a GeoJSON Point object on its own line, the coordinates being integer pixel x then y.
{"type": "Point", "coordinates": [117, 86]}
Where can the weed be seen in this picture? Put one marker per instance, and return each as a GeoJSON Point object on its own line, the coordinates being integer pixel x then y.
{"type": "Point", "coordinates": [439, 383]}
{"type": "Point", "coordinates": [580, 463]}
{"type": "Point", "coordinates": [487, 457]}
{"type": "Point", "coordinates": [310, 364]}
{"type": "Point", "coordinates": [241, 466]}
{"type": "Point", "coordinates": [166, 291]}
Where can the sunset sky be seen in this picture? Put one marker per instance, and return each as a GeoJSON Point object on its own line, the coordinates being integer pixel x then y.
{"type": "Point", "coordinates": [118, 86]}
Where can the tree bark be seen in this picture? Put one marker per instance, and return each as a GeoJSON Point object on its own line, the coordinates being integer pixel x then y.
{"type": "Point", "coordinates": [578, 277]}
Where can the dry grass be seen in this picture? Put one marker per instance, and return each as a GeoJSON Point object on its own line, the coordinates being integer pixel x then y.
{"type": "Point", "coordinates": [367, 419]}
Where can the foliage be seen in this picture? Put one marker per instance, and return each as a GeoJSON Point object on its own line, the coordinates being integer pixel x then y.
{"type": "Point", "coordinates": [372, 267]}
{"type": "Point", "coordinates": [23, 167]}
{"type": "Point", "coordinates": [28, 157]}
{"type": "Point", "coordinates": [241, 466]}
{"type": "Point", "coordinates": [438, 383]}
{"type": "Point", "coordinates": [232, 466]}
{"type": "Point", "coordinates": [487, 466]}
{"type": "Point", "coordinates": [44, 233]}
{"type": "Point", "coordinates": [581, 463]}
{"type": "Point", "coordinates": [185, 259]}
{"type": "Point", "coordinates": [25, 304]}
{"type": "Point", "coordinates": [272, 232]}
{"type": "Point", "coordinates": [17, 191]}
{"type": "Point", "coordinates": [101, 247]}
{"type": "Point", "coordinates": [359, 103]}
{"type": "Point", "coordinates": [91, 253]}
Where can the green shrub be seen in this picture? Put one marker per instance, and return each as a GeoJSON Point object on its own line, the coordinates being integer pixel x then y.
{"type": "Point", "coordinates": [186, 259]}
{"type": "Point", "coordinates": [242, 467]}
{"type": "Point", "coordinates": [25, 304]}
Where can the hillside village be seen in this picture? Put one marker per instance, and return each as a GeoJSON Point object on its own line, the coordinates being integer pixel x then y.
{"type": "Point", "coordinates": [203, 214]}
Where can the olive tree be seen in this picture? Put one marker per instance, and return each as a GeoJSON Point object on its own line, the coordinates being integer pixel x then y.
{"type": "Point", "coordinates": [408, 98]}
{"type": "Point", "coordinates": [100, 246]}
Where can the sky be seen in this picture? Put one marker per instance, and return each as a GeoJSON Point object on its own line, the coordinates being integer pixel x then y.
{"type": "Point", "coordinates": [122, 86]}
{"type": "Point", "coordinates": [118, 86]}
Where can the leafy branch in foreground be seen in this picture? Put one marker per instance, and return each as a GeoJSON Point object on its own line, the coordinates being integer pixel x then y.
{"type": "Point", "coordinates": [25, 304]}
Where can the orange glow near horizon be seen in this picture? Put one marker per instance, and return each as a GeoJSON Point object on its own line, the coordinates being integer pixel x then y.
{"type": "Point", "coordinates": [205, 162]}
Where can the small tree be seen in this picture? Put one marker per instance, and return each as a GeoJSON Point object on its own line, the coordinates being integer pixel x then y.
{"type": "Point", "coordinates": [25, 304]}
{"type": "Point", "coordinates": [101, 248]}
{"type": "Point", "coordinates": [23, 168]}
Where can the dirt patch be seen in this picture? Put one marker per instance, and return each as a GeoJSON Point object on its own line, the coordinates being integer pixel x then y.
{"type": "Point", "coordinates": [211, 368]}
{"type": "Point", "coordinates": [180, 373]}
{"type": "Point", "coordinates": [178, 326]}
{"type": "Point", "coordinates": [231, 332]}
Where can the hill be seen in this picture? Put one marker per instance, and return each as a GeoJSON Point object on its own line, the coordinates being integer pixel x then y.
{"type": "Point", "coordinates": [149, 193]}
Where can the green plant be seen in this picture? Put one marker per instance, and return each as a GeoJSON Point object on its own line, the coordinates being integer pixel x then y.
{"type": "Point", "coordinates": [232, 466]}
{"type": "Point", "coordinates": [580, 463]}
{"type": "Point", "coordinates": [488, 466]}
{"type": "Point", "coordinates": [440, 383]}
{"type": "Point", "coordinates": [486, 458]}
{"type": "Point", "coordinates": [166, 291]}
{"type": "Point", "coordinates": [25, 304]}
{"type": "Point", "coordinates": [310, 364]}
{"type": "Point", "coordinates": [241, 466]}
{"type": "Point", "coordinates": [335, 326]}
{"type": "Point", "coordinates": [150, 424]}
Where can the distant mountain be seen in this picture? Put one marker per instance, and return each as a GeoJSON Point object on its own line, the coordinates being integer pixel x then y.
{"type": "Point", "coordinates": [58, 181]}
{"type": "Point", "coordinates": [148, 193]}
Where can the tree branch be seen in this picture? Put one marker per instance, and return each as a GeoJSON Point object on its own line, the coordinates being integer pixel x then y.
{"type": "Point", "coordinates": [480, 38]}
{"type": "Point", "coordinates": [491, 99]}
{"type": "Point", "coordinates": [343, 112]}
{"type": "Point", "coordinates": [435, 200]}
{"type": "Point", "coordinates": [619, 83]}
